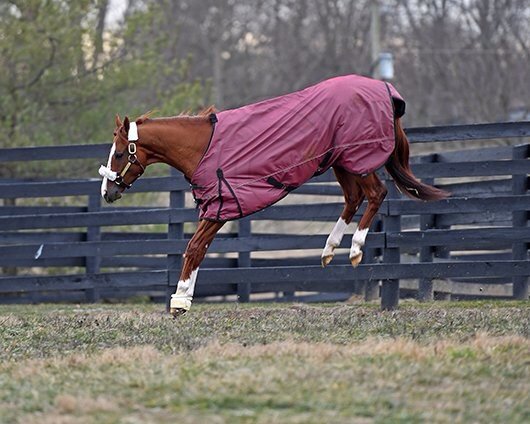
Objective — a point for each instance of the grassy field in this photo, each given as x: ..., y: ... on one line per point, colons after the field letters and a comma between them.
x: 443, y: 362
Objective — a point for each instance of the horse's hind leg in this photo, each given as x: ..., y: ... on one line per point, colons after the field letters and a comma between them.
x: 375, y: 192
x: 353, y: 197
x: 195, y: 252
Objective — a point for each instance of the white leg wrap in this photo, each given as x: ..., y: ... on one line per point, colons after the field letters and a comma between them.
x: 358, y: 240
x: 184, y: 294
x: 333, y: 241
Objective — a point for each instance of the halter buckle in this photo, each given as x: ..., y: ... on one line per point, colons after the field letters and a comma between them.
x: 132, y: 148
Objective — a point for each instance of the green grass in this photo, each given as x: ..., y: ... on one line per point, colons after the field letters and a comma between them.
x: 441, y: 362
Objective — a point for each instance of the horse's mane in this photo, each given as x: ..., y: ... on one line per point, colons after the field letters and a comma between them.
x: 207, y: 111
x: 144, y: 117
x: 204, y: 112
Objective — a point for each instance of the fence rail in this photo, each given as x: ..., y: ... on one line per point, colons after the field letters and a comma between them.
x: 477, y: 238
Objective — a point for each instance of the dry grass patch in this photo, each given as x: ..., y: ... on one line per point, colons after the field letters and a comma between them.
x: 43, y: 331
x: 265, y: 363
x: 369, y: 381
x: 481, y: 345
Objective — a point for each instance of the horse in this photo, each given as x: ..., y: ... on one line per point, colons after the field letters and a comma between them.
x: 242, y: 160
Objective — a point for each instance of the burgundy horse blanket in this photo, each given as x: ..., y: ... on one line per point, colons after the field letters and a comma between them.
x: 260, y: 152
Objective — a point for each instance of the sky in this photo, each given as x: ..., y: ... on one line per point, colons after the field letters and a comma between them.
x: 116, y: 9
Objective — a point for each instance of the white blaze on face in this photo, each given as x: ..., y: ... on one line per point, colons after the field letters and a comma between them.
x: 104, y: 182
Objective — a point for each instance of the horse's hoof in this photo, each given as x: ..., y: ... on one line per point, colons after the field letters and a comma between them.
x: 176, y: 312
x: 356, y: 259
x: 179, y: 305
x: 325, y: 260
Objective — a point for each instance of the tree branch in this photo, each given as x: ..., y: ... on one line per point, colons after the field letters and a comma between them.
x: 40, y: 73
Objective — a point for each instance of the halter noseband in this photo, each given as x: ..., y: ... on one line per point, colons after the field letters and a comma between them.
x: 111, y: 175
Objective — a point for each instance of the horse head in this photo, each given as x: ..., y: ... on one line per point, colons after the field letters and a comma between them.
x: 126, y: 159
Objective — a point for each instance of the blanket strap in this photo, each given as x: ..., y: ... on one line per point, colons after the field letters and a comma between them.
x: 275, y: 183
x: 197, y: 201
x: 221, y: 178
x: 322, y: 166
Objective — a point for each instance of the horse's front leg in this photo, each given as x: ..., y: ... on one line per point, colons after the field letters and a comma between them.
x: 375, y: 192
x: 195, y: 252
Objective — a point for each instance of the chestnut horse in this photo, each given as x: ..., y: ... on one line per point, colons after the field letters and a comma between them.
x: 182, y: 142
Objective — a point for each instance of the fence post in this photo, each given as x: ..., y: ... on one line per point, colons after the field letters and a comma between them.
x: 425, y: 285
x: 392, y: 224
x: 519, y: 219
x: 370, y: 288
x: 174, y: 232
x: 93, y: 233
x: 243, y: 259
x: 10, y: 270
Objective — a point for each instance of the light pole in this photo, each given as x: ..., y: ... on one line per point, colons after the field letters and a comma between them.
x: 382, y: 62
x: 386, y: 66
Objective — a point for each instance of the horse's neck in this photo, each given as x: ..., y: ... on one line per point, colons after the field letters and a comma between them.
x: 178, y: 142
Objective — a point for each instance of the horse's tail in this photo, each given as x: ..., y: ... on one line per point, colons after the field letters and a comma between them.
x: 398, y: 167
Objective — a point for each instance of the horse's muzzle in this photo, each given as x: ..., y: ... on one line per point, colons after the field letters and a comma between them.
x: 111, y: 197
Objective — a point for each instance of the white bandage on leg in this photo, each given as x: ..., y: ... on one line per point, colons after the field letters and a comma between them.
x: 184, y: 294
x: 333, y: 241
x: 358, y: 240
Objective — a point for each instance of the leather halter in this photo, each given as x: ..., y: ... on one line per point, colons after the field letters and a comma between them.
x: 131, y: 160
x: 118, y: 178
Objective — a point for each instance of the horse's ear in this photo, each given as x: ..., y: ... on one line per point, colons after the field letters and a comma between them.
x: 117, y: 119
x: 126, y: 124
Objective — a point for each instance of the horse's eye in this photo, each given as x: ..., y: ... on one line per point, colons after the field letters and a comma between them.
x: 118, y: 155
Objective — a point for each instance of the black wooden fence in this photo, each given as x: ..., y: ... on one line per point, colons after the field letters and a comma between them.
x: 478, y: 238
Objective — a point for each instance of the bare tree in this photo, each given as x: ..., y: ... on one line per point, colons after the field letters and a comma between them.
x: 456, y: 60
x: 463, y: 61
